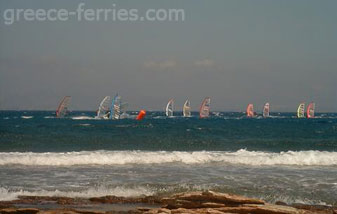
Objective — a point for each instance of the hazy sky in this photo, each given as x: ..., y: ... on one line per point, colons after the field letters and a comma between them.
x: 237, y: 52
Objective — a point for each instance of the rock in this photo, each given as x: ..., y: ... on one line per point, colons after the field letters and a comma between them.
x: 211, y: 196
x: 212, y: 205
x: 115, y: 199
x: 8, y: 210
x: 19, y: 211
x: 274, y: 209
x: 57, y: 212
x: 314, y: 208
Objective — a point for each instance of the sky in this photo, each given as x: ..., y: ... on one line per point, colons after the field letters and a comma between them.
x: 234, y: 51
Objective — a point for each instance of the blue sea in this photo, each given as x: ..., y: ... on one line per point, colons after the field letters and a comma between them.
x: 280, y: 158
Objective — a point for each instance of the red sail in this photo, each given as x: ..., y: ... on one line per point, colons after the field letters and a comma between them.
x: 250, y: 110
x: 63, y: 107
x: 311, y: 110
x: 205, y: 107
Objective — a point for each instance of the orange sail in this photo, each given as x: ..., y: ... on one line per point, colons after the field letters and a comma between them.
x: 250, y: 110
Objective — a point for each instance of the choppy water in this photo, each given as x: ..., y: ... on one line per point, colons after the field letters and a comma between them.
x: 279, y: 158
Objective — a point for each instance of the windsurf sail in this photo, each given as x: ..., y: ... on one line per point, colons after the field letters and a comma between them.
x: 115, y: 107
x: 300, y: 110
x: 250, y: 110
x: 266, y: 110
x: 103, y: 109
x: 311, y: 110
x: 118, y: 109
x: 187, y: 109
x: 205, y: 107
x: 170, y: 108
x: 62, y: 110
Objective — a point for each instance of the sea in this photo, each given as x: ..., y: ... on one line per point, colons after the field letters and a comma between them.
x: 281, y: 158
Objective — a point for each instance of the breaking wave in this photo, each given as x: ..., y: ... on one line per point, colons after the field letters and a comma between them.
x: 26, y: 117
x: 255, y: 158
x: 7, y: 195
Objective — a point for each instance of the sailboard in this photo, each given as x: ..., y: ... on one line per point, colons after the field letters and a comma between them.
x: 250, y: 110
x: 266, y: 110
x: 300, y: 110
x: 62, y: 110
x: 169, y: 108
x: 311, y: 110
x: 187, y: 109
x: 103, y: 109
x: 205, y: 107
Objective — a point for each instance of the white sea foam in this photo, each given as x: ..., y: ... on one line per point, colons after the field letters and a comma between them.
x: 83, y: 118
x: 7, y: 195
x: 301, y: 158
x: 26, y: 117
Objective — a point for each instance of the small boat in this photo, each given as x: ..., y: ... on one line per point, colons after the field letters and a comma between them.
x: 266, y: 110
x: 250, y: 110
x: 300, y: 110
x: 187, y: 109
x: 205, y: 108
x: 169, y: 108
x: 62, y: 110
x: 311, y: 110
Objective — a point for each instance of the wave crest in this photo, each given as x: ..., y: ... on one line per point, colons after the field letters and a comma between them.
x: 256, y: 158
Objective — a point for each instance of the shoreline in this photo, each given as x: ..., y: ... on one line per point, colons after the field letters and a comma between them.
x: 188, y: 202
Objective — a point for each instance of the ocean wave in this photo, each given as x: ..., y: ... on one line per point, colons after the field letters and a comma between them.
x: 26, y: 117
x: 255, y: 158
x: 83, y: 118
x: 8, y: 194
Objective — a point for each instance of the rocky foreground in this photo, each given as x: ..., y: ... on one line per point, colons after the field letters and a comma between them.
x: 189, y: 203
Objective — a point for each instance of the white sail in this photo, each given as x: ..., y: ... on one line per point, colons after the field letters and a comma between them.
x: 170, y: 108
x: 103, y: 109
x: 266, y: 110
x: 300, y: 110
x: 187, y: 109
x: 205, y: 107
x: 62, y: 110
x: 118, y: 109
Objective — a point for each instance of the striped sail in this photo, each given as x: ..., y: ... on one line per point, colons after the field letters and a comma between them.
x: 300, y: 110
